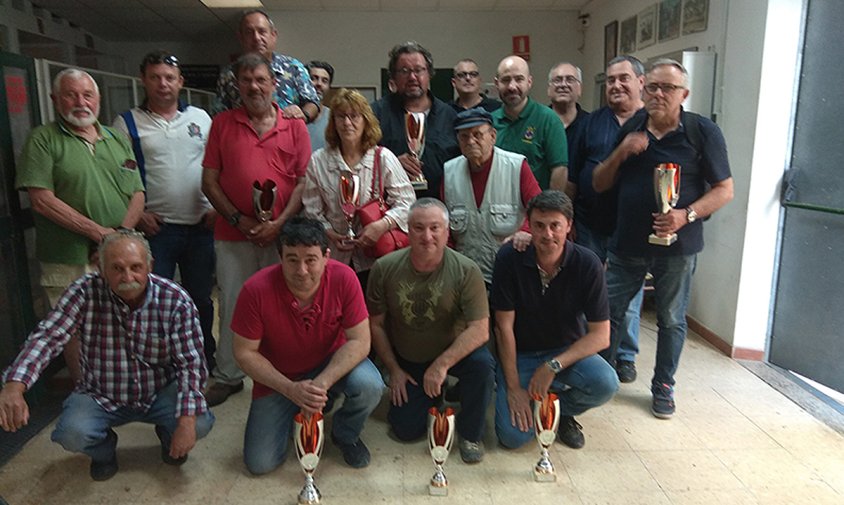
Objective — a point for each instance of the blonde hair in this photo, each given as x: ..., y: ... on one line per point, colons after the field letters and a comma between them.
x: 345, y: 101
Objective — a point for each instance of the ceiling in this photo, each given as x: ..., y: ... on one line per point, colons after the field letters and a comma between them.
x: 187, y: 20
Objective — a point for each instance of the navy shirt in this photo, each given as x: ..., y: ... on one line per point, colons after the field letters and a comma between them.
x: 636, y: 200
x: 557, y: 318
x: 487, y: 103
x: 574, y: 135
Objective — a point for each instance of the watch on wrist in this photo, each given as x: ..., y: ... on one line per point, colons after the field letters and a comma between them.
x: 691, y: 215
x: 234, y: 218
x: 554, y: 365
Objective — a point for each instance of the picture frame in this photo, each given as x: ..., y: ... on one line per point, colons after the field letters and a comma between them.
x: 646, y: 27
x: 610, y: 42
x: 670, y: 12
x: 627, y: 38
x: 695, y: 16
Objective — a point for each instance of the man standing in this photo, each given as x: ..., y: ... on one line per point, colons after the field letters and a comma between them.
x: 168, y: 138
x: 293, y: 91
x: 564, y: 90
x: 322, y: 75
x: 662, y: 137
x: 253, y: 144
x: 528, y: 128
x: 552, y: 317
x: 467, y: 82
x: 430, y: 319
x: 411, y: 67
x: 143, y: 360
x: 302, y: 334
x: 486, y: 191
x: 596, y: 213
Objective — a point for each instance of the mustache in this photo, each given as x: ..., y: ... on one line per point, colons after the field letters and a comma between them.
x: 128, y: 286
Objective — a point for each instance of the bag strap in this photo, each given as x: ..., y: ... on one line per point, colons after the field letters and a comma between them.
x: 129, y: 119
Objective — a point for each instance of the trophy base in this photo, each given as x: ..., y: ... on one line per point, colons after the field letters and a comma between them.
x: 436, y: 490
x: 309, y: 496
x: 419, y: 185
x: 663, y: 241
x: 539, y: 476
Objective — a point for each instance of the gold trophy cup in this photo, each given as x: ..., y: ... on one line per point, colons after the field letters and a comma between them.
x: 308, y: 436
x: 263, y: 199
x: 349, y: 198
x: 546, y: 418
x: 440, y: 438
x: 414, y: 127
x: 667, y: 192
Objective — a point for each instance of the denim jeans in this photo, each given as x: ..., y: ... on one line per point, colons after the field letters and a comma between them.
x: 84, y: 425
x: 672, y: 285
x: 587, y: 384
x: 191, y: 247
x: 475, y: 375
x: 270, y: 422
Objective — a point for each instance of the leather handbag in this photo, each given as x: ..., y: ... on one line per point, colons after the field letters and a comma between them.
x: 376, y: 209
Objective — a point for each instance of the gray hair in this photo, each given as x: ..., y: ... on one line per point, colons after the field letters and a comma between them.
x: 122, y: 234
x: 249, y: 12
x: 73, y: 74
x: 428, y: 202
x: 638, y: 68
x: 668, y: 62
x: 576, y: 69
x: 251, y: 61
x: 409, y: 47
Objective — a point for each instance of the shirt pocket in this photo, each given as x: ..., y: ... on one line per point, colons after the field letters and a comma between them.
x: 283, y: 158
x: 504, y: 218
x: 458, y: 219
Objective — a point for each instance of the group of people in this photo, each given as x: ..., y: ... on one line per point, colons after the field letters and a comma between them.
x: 524, y: 271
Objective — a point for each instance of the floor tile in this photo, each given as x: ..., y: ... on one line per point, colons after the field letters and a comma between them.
x: 688, y: 470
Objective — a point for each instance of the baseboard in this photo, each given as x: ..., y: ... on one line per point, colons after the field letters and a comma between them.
x: 720, y: 344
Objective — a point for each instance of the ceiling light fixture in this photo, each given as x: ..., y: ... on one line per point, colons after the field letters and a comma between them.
x: 233, y: 4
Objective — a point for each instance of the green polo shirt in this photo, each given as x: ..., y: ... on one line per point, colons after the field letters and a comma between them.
x: 538, y: 134
x: 97, y: 182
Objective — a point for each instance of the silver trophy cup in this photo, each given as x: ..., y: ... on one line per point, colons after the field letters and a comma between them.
x: 414, y: 127
x: 349, y: 193
x: 667, y: 192
x: 546, y: 418
x: 308, y: 436
x: 263, y: 199
x: 440, y: 439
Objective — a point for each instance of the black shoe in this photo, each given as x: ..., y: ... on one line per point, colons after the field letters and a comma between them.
x: 355, y: 455
x: 569, y: 432
x: 104, y: 470
x: 219, y: 392
x: 626, y: 371
x: 663, y: 401
x: 165, y: 448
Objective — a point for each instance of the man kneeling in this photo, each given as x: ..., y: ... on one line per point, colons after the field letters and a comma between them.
x: 302, y: 334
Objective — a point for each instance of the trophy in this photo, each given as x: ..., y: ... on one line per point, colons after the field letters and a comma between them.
x: 349, y: 196
x: 440, y: 438
x: 308, y: 436
x: 546, y: 418
x: 667, y: 191
x: 263, y: 199
x: 414, y: 127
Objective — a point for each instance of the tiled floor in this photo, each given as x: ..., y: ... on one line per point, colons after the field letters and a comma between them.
x: 734, y: 440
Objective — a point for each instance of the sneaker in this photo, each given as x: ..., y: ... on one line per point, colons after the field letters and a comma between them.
x: 626, y: 371
x: 570, y: 432
x: 356, y: 455
x: 219, y: 392
x: 663, y: 401
x: 165, y: 448
x: 104, y: 470
x: 471, y: 452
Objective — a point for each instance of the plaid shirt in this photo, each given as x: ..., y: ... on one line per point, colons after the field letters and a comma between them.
x: 127, y: 355
x: 292, y: 85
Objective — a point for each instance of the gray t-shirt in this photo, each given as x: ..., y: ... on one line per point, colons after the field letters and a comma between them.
x: 316, y: 129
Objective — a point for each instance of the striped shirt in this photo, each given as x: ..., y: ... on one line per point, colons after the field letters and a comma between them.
x: 127, y: 355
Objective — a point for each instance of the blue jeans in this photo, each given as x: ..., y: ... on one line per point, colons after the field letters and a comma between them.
x: 270, y: 422
x: 587, y: 384
x: 84, y: 425
x: 672, y: 285
x: 191, y: 247
x: 475, y: 376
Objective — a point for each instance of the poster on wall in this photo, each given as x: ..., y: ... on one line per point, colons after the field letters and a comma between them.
x: 610, y: 42
x: 627, y: 39
x: 646, y: 32
x: 695, y: 16
x: 669, y: 19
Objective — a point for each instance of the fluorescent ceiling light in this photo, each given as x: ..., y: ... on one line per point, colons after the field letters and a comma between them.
x: 238, y: 4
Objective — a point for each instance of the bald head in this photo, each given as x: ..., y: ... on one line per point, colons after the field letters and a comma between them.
x: 513, y: 62
x: 513, y: 81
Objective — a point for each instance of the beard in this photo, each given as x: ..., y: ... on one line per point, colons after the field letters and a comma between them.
x: 77, y: 121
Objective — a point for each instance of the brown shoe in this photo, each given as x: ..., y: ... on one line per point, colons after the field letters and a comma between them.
x: 219, y: 392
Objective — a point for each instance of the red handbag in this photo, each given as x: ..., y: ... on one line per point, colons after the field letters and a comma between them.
x: 376, y: 209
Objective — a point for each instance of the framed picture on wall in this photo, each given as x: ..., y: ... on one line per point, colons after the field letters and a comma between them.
x: 646, y: 31
x: 695, y: 16
x: 610, y: 42
x: 669, y: 19
x: 627, y: 39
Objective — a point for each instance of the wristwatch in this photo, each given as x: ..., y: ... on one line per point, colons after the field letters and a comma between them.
x: 554, y: 365
x: 234, y: 218
x: 691, y: 215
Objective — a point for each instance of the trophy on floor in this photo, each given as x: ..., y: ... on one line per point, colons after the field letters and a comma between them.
x: 414, y: 127
x: 667, y: 191
x: 546, y: 418
x: 440, y: 438
x: 349, y: 197
x: 263, y: 199
x: 308, y: 436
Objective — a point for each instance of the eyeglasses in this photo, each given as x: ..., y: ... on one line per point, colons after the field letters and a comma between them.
x: 568, y: 79
x: 467, y: 75
x: 155, y: 59
x: 665, y: 88
x: 354, y: 117
x: 418, y: 71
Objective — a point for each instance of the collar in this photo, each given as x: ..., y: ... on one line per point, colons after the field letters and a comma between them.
x: 529, y: 256
x: 242, y: 116
x: 523, y: 114
x: 181, y: 106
